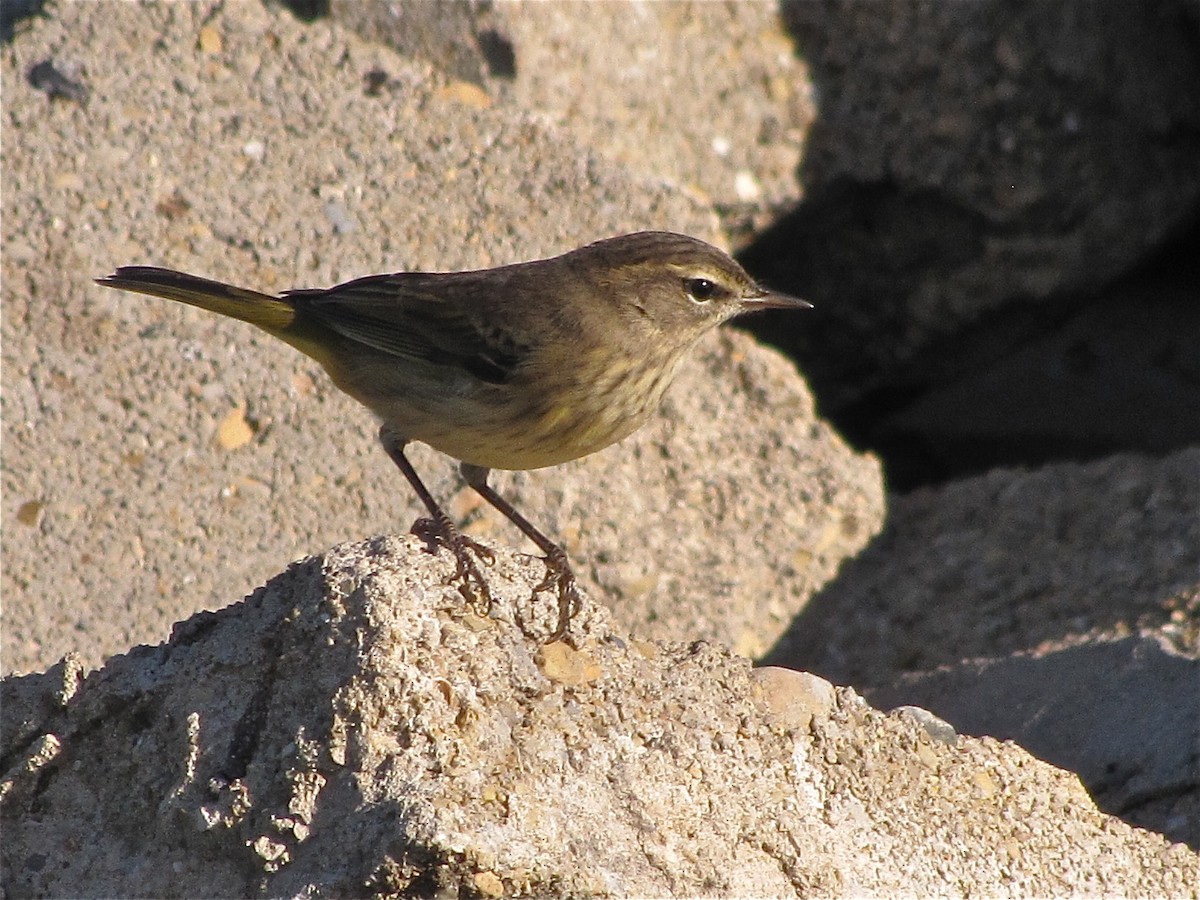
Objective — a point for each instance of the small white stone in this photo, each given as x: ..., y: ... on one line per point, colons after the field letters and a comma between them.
x: 746, y: 186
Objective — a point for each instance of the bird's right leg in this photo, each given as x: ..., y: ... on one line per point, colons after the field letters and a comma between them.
x: 472, y: 583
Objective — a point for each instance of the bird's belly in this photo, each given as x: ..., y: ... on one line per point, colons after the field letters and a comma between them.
x: 518, y: 426
x: 558, y: 434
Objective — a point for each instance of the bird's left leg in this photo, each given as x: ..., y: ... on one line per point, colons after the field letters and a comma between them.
x: 559, y: 575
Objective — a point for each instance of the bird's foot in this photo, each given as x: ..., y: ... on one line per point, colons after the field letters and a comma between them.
x: 560, y: 579
x: 467, y: 553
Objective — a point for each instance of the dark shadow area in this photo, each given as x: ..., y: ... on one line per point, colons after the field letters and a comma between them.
x: 998, y: 236
x: 1076, y: 378
x: 998, y: 230
x: 12, y: 12
x: 498, y: 53
x: 307, y: 10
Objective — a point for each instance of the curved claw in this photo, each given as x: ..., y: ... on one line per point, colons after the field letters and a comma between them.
x: 439, y: 529
x: 561, y: 578
x: 472, y: 584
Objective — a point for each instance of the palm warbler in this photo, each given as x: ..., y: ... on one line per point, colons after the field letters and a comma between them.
x: 517, y: 367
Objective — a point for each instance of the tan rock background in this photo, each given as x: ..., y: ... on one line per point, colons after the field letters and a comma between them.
x: 159, y: 463
x: 254, y: 151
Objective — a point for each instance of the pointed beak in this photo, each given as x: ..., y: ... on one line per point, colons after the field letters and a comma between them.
x: 761, y: 298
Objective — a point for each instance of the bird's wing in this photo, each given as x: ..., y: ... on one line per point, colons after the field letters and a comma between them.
x: 432, y: 318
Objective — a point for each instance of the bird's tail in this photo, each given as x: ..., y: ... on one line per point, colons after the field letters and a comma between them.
x: 271, y: 314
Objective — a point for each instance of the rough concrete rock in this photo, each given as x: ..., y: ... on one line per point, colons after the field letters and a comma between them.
x: 453, y: 37
x: 354, y: 727
x: 718, y: 85
x: 1010, y: 562
x: 1059, y: 608
x: 1122, y: 714
x: 144, y: 441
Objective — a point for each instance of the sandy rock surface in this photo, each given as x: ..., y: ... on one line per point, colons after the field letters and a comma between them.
x: 145, y: 441
x: 719, y: 86
x: 354, y: 727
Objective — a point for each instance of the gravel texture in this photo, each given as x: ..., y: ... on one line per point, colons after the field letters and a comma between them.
x: 353, y: 729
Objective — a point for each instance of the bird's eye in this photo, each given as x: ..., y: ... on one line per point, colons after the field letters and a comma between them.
x: 700, y: 289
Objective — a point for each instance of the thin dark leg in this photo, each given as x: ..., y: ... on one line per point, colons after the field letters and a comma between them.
x: 443, y: 528
x: 559, y: 574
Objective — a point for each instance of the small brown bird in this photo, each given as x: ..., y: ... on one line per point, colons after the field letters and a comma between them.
x: 516, y: 367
